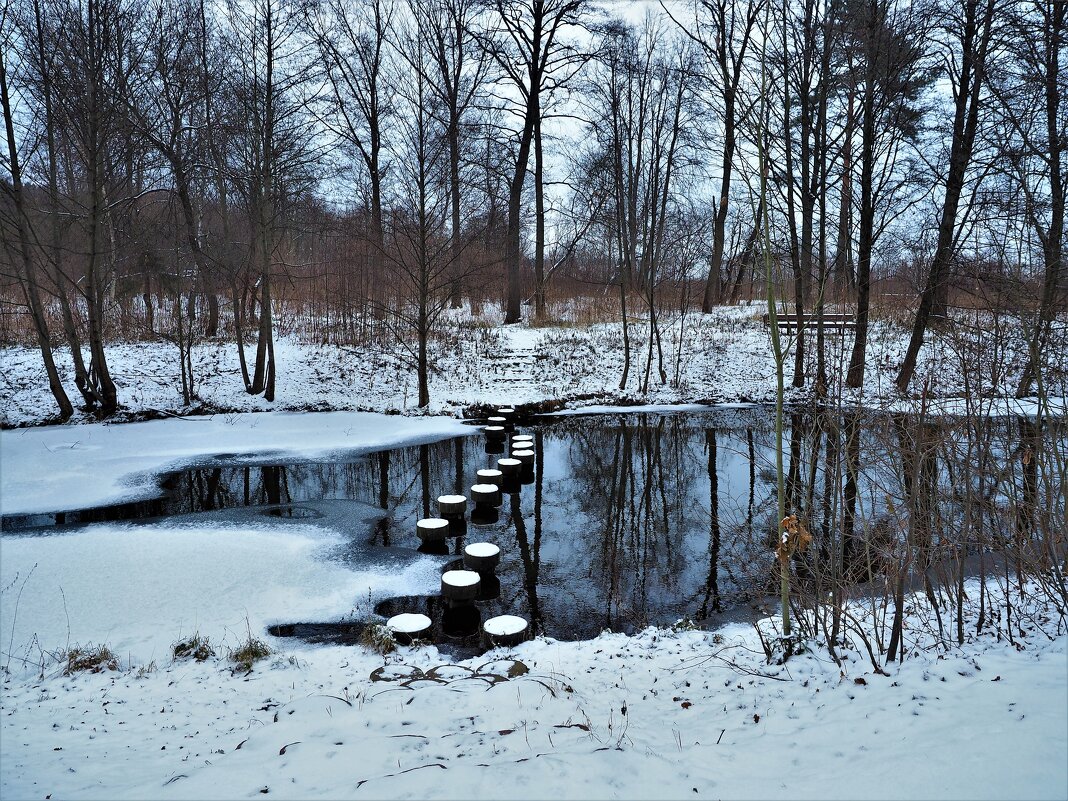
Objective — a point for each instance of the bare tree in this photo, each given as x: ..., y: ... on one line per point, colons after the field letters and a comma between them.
x: 169, y: 108
x: 641, y: 103
x: 95, y: 59
x: 968, y: 46
x: 41, y: 31
x: 21, y: 239
x: 457, y: 78
x: 724, y: 31
x: 425, y: 259
x: 276, y: 159
x: 1031, y: 90
x: 888, y: 48
x: 352, y: 37
x: 530, y: 47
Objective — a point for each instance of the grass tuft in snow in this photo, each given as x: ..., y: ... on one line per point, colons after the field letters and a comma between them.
x: 249, y: 652
x: 378, y: 638
x: 195, y: 647
x: 91, y: 659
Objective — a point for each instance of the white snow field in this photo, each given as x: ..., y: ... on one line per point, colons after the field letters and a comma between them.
x: 662, y: 714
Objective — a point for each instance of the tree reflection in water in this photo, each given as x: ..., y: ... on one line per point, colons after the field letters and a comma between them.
x: 642, y: 518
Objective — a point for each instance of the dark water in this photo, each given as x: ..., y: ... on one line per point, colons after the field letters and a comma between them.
x: 624, y: 520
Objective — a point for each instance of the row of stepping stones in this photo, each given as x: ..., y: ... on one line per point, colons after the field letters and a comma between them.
x: 461, y: 587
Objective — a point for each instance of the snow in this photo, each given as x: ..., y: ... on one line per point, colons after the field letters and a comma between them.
x: 662, y: 714
x: 720, y: 357
x: 447, y: 499
x: 460, y: 578
x: 504, y: 625
x: 408, y: 623
x: 139, y: 589
x: 482, y: 549
x: 97, y: 464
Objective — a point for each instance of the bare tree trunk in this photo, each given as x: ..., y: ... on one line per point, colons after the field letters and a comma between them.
x: 539, y: 223
x: 513, y: 252
x: 27, y: 274
x: 855, y: 375
x: 1054, y: 33
x: 978, y: 21
x: 95, y: 278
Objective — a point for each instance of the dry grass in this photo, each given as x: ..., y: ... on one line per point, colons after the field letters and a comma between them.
x: 90, y: 659
x: 196, y: 647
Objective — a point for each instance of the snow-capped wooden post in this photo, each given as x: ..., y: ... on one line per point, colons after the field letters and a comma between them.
x: 452, y: 507
x: 490, y: 476
x: 432, y: 528
x: 482, y: 557
x: 509, y: 466
x: 486, y: 494
x: 525, y: 456
x: 510, y: 469
x: 459, y: 586
x: 409, y: 626
x: 504, y: 630
x: 508, y: 413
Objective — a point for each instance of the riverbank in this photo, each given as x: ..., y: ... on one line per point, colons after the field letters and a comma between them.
x: 721, y: 357
x: 662, y: 714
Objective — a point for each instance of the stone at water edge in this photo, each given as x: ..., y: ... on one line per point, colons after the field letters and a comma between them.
x: 409, y: 626
x: 504, y: 630
x: 460, y: 585
x: 482, y: 557
x: 432, y: 528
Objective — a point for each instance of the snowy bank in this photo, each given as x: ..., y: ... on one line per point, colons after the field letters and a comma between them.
x: 720, y: 357
x: 57, y: 468
x: 663, y: 714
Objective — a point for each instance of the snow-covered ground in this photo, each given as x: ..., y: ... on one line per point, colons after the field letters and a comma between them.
x: 663, y: 714
x: 720, y: 357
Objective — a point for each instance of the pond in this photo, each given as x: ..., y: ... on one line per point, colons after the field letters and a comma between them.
x: 629, y: 519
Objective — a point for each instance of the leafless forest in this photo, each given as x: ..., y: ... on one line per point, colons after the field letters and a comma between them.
x: 350, y: 169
